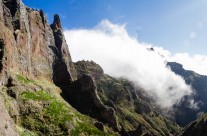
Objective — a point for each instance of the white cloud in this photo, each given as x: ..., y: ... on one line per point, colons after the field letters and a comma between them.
x: 197, y: 63
x: 123, y: 56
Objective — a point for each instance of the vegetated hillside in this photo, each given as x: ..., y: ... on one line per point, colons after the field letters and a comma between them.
x: 134, y: 113
x: 185, y: 112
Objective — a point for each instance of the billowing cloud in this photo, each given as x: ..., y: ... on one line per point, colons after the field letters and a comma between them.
x: 123, y: 56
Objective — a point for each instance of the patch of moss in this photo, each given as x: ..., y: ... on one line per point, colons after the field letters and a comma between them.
x: 85, y: 129
x: 56, y: 118
x: 53, y: 119
x: 23, y: 79
x: 39, y: 95
x: 58, y: 114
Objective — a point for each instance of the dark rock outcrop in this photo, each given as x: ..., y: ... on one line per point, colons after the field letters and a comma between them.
x: 82, y: 95
x: 142, y: 107
x: 64, y: 70
x: 89, y: 67
x: 196, y: 128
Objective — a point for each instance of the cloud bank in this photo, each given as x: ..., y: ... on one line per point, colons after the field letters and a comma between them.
x: 123, y: 56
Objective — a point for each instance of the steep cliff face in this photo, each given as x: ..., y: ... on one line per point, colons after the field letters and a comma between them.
x: 34, y: 63
x: 30, y: 46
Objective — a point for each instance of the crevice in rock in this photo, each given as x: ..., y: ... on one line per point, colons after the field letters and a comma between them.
x: 12, y: 93
x: 42, y: 16
x: 13, y: 7
x: 1, y: 54
x: 9, y: 82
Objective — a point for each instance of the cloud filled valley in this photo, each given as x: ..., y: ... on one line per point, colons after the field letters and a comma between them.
x: 123, y: 56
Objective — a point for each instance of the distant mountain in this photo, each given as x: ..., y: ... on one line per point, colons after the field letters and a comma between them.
x: 188, y: 110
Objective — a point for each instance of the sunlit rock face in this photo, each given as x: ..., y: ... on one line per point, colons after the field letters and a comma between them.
x: 30, y: 46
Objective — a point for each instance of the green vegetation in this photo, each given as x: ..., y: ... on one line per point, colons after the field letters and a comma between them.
x: 39, y: 95
x: 58, y: 114
x: 24, y: 132
x: 56, y: 117
x: 85, y: 129
x: 23, y: 79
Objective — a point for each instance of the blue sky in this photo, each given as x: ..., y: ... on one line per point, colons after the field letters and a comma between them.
x: 178, y: 26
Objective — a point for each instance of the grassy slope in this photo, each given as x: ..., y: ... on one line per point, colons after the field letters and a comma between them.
x: 38, y: 109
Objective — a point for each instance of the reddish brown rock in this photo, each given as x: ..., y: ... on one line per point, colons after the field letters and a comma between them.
x: 31, y: 47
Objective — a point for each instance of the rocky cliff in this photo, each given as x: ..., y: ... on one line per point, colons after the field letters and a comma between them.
x: 30, y: 47
x: 34, y: 63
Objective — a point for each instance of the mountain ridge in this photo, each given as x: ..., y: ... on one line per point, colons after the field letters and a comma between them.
x: 184, y: 113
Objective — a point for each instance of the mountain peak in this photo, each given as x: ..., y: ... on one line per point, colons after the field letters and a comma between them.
x: 56, y: 22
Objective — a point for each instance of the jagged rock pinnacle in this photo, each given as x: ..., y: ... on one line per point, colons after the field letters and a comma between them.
x: 57, y: 22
